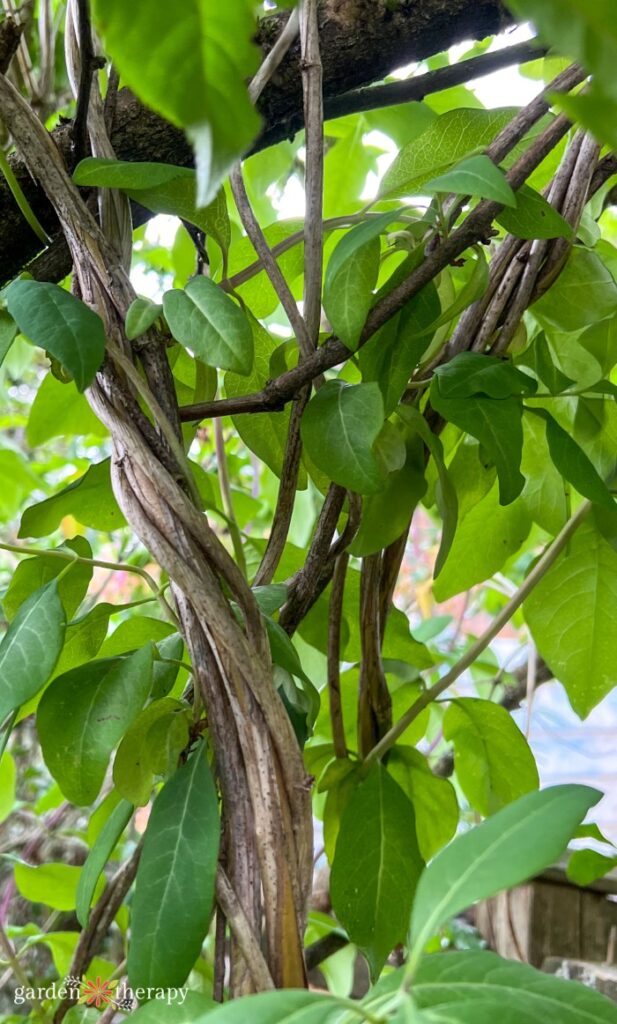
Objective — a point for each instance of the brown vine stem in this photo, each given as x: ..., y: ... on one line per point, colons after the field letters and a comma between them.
x: 261, y: 247
x: 334, y: 656
x: 547, y: 559
x: 312, y: 75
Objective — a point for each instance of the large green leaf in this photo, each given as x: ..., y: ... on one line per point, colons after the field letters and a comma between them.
x: 162, y: 188
x: 83, y: 715
x: 90, y: 500
x: 174, y: 888
x: 385, y: 515
x: 584, y: 293
x: 339, y: 428
x: 485, y: 538
x: 191, y: 65
x: 50, y: 883
x: 58, y: 322
x: 496, y: 423
x: 490, y: 989
x: 376, y: 867
x: 194, y: 1008
x: 349, y: 294
x: 98, y: 857
x: 205, y: 319
x: 287, y: 1006
x: 505, y: 850
x: 474, y: 176
x: 470, y: 373
x: 573, y: 464
x: 447, y: 140
x: 434, y: 799
x: 494, y: 764
x: 533, y: 217
x: 572, y: 613
x: 133, y: 772
x: 587, y: 32
x: 30, y: 647
x: 60, y: 410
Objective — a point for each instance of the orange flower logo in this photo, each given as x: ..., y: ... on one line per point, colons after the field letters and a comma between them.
x: 98, y: 993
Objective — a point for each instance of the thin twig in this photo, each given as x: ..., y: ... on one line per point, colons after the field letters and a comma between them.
x: 90, y: 63
x: 261, y: 247
x: 334, y: 656
x: 243, y: 933
x: 551, y: 553
x: 312, y: 75
x: 286, y: 495
x: 274, y: 57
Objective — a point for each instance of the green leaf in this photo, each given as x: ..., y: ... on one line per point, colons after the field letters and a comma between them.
x: 533, y: 217
x: 587, y: 32
x: 8, y: 330
x: 386, y: 515
x: 447, y: 140
x: 83, y: 639
x: 30, y: 647
x: 470, y: 373
x: 133, y: 773
x: 391, y: 356
x: 263, y: 433
x: 481, y: 988
x: 571, y: 614
x: 475, y: 176
x: 164, y: 673
x: 486, y: 537
x: 199, y: 58
x: 90, y: 500
x: 573, y: 464
x: 493, y: 762
x: 140, y: 316
x: 586, y: 866
x: 7, y: 785
x: 193, y: 1009
x: 543, y: 494
x: 339, y: 427
x: 32, y: 573
x: 162, y: 188
x: 287, y: 1006
x: 496, y: 423
x: 434, y: 799
x: 205, y: 319
x: 98, y: 857
x: 376, y: 867
x: 584, y: 293
x: 134, y: 633
x: 59, y: 410
x: 52, y: 884
x: 508, y: 848
x: 348, y: 296
x: 550, y: 375
x: 174, y: 888
x: 83, y: 715
x: 61, y: 324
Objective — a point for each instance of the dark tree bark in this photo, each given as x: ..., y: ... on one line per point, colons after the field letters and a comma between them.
x: 362, y: 41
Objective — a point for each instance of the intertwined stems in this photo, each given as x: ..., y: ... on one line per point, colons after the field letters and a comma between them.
x: 268, y: 844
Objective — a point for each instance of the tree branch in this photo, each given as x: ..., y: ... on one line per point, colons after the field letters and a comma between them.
x: 359, y: 45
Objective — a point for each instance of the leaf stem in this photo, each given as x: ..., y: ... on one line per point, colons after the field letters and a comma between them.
x: 547, y: 559
x: 20, y: 199
x: 26, y: 549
